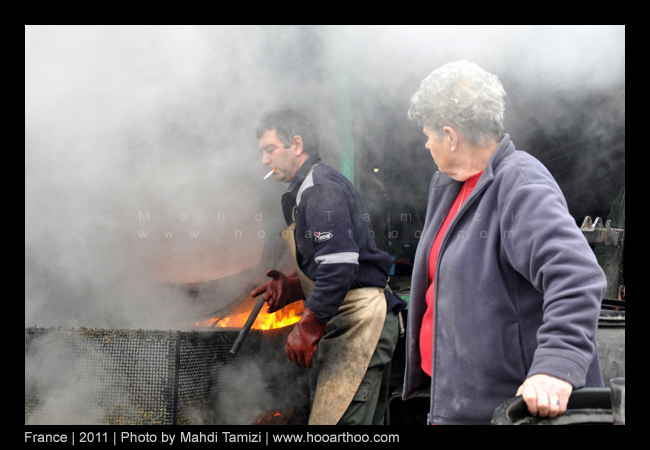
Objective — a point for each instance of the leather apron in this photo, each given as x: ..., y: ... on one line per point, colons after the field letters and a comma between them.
x: 347, y: 346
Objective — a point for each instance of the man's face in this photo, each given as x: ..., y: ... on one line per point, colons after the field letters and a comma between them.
x: 283, y: 159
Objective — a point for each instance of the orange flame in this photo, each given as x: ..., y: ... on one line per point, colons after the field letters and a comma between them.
x: 288, y: 315
x: 277, y: 417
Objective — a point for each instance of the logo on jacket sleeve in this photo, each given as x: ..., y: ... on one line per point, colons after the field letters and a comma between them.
x: 322, y: 236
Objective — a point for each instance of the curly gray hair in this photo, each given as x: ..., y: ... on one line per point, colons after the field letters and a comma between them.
x: 463, y: 96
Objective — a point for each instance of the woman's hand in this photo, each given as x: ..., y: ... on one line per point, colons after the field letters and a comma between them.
x: 545, y: 395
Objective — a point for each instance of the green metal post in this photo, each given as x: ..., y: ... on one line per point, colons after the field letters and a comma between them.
x: 346, y: 120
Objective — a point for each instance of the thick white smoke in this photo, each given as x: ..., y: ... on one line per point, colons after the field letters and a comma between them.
x: 134, y: 131
x: 121, y: 120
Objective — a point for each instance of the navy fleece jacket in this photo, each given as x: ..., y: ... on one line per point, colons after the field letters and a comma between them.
x: 517, y: 291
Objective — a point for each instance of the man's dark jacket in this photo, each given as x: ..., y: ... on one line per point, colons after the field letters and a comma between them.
x: 334, y: 239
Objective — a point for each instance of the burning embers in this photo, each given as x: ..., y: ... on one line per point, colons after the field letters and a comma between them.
x: 288, y: 315
x: 275, y: 417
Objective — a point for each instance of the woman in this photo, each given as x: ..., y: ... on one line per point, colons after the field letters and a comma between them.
x: 506, y: 292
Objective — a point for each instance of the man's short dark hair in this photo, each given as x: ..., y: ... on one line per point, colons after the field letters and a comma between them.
x: 290, y: 122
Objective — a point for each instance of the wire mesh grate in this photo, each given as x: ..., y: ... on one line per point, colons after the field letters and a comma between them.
x: 142, y: 377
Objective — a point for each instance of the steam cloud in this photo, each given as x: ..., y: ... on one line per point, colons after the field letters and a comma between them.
x: 121, y: 120
x: 151, y: 128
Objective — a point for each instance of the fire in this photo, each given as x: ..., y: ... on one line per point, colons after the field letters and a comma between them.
x: 277, y: 417
x: 288, y: 315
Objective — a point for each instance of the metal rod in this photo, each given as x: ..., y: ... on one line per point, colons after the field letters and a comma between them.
x: 247, y: 326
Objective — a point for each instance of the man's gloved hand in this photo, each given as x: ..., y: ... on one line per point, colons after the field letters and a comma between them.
x: 303, y: 339
x: 280, y: 291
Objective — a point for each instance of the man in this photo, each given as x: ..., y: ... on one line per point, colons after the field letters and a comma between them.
x: 350, y: 317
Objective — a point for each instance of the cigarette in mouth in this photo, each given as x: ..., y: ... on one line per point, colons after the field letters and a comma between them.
x: 268, y: 174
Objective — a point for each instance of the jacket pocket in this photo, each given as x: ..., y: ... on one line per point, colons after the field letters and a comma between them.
x: 362, y: 393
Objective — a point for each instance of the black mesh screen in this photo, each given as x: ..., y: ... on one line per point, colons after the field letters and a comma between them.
x: 105, y: 376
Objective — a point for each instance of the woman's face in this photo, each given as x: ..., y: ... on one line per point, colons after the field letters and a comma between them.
x: 439, y: 149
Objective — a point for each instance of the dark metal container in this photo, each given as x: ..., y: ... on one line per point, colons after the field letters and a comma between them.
x: 147, y: 377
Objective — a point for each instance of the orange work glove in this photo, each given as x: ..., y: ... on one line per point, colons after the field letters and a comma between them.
x: 280, y: 291
x: 303, y: 340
